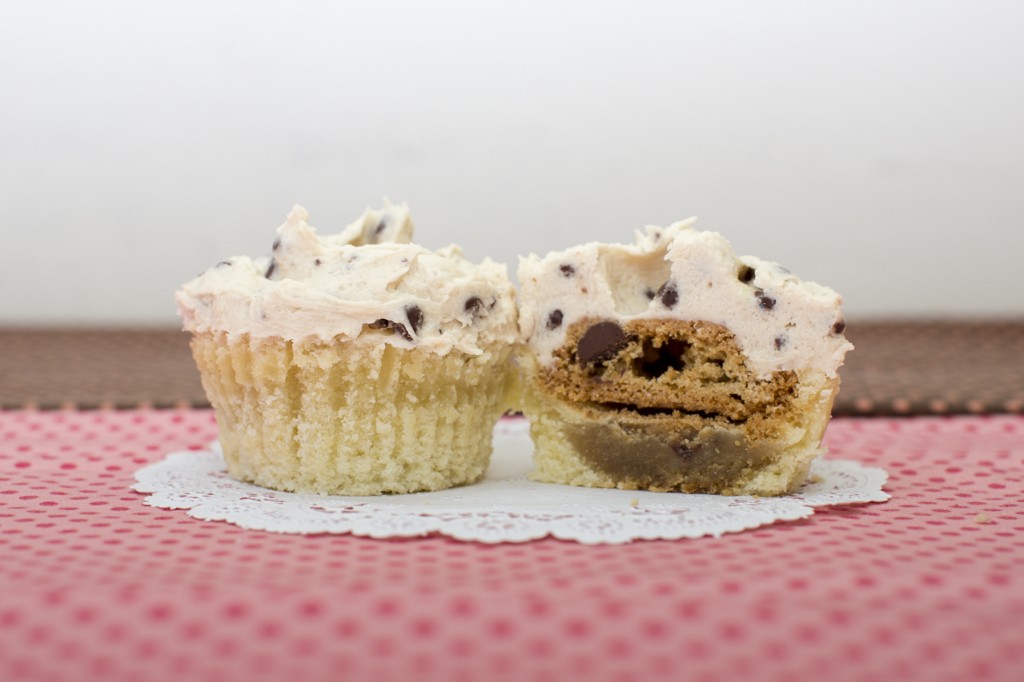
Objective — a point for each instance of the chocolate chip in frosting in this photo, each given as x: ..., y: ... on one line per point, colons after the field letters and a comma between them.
x: 318, y: 262
x: 764, y: 300
x: 668, y: 294
x: 270, y: 269
x: 415, y: 316
x: 223, y: 262
x: 601, y: 342
x: 567, y: 270
x: 380, y: 226
x: 839, y: 327
x: 397, y: 327
x: 473, y: 305
x: 780, y: 342
x: 555, y: 319
x: 649, y: 293
x: 746, y: 274
x: 277, y: 244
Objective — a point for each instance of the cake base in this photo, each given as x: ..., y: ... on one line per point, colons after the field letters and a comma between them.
x: 355, y: 417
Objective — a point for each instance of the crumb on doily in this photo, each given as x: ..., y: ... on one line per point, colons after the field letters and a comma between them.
x: 982, y: 518
x: 814, y: 479
x: 634, y: 503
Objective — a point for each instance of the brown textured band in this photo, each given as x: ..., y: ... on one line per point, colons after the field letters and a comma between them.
x: 87, y: 368
x: 936, y: 367
x: 899, y: 368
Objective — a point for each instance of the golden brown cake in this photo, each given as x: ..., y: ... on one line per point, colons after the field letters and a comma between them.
x: 672, y: 364
x: 355, y: 364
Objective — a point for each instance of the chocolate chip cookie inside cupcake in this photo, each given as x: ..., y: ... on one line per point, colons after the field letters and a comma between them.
x: 354, y: 364
x: 673, y: 365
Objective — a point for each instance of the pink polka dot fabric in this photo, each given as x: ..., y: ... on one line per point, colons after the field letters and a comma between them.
x: 96, y: 586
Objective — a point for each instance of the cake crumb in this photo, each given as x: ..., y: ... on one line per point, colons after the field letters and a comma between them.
x: 634, y: 503
x: 814, y: 479
x: 982, y: 518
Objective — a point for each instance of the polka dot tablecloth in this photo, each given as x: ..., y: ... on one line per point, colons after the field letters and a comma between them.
x: 96, y: 586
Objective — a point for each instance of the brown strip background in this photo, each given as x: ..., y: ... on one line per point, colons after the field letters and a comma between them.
x: 898, y: 368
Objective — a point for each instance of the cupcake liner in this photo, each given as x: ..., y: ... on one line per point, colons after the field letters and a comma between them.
x: 359, y: 417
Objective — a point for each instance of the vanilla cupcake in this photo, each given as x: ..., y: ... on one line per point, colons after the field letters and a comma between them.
x: 673, y: 364
x: 354, y: 364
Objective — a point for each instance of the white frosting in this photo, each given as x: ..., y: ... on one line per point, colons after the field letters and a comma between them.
x: 780, y: 322
x: 330, y: 287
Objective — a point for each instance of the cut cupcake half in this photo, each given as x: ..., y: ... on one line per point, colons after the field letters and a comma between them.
x: 673, y: 364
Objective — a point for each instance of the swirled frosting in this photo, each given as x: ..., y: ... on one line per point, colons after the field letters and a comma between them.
x: 779, y: 321
x: 368, y: 278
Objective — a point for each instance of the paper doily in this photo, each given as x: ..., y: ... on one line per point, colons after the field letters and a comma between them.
x: 505, y: 507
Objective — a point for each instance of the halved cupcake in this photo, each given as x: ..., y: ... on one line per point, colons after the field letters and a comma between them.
x: 673, y: 364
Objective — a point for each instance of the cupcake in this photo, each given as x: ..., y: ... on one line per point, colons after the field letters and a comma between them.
x: 673, y: 364
x: 355, y: 364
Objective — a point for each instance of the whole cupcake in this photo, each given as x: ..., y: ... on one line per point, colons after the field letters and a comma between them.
x: 354, y: 364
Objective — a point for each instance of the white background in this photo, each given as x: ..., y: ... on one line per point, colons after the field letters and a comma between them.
x: 877, y: 147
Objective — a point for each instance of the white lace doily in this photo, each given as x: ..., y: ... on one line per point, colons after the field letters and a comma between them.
x: 505, y: 507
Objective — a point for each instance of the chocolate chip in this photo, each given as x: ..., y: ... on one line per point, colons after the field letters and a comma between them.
x: 397, y: 327
x: 380, y: 226
x: 839, y: 327
x: 567, y: 270
x: 649, y: 293
x: 601, y: 342
x: 764, y: 300
x: 555, y: 319
x: 473, y: 305
x: 415, y: 316
x: 401, y: 331
x: 223, y: 262
x: 746, y: 274
x: 668, y: 295
x: 318, y: 262
x: 270, y: 269
x: 277, y: 244
x: 780, y: 342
